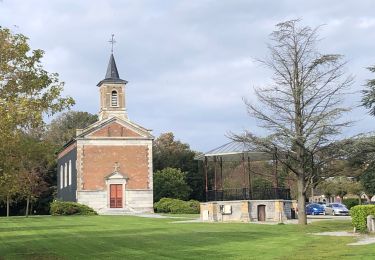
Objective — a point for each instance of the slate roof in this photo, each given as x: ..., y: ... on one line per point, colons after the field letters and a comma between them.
x: 234, y: 151
x: 112, y: 75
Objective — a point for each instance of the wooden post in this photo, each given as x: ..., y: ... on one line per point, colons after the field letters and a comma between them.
x: 276, y: 173
x: 8, y: 202
x: 221, y: 173
x: 244, y: 176
x: 250, y: 179
x: 205, y: 173
x: 215, y: 172
x: 215, y: 176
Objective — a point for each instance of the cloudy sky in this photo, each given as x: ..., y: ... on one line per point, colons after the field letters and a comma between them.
x: 189, y: 63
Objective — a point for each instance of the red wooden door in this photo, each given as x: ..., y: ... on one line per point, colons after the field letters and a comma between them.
x: 115, y: 200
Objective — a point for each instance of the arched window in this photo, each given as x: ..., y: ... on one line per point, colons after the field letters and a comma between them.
x: 66, y: 175
x: 70, y: 173
x: 114, y: 99
x: 61, y: 177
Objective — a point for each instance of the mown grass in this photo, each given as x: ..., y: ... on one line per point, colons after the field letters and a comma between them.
x: 126, y: 237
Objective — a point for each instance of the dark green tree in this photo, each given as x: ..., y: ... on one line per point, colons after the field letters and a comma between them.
x: 368, y: 98
x: 168, y: 152
x: 171, y: 183
x: 63, y: 128
x: 368, y: 180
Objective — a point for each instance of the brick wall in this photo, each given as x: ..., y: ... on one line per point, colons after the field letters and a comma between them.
x: 98, y: 162
x: 115, y: 130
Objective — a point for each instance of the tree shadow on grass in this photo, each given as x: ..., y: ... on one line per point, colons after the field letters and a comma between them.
x: 39, y: 228
x: 141, y: 243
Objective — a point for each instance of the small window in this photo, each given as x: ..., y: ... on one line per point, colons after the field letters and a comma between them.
x: 114, y: 99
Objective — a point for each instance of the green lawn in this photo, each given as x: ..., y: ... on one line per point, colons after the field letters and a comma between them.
x: 125, y: 237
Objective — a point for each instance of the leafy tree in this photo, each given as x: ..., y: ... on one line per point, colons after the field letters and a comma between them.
x: 8, y: 190
x: 170, y: 183
x: 168, y: 152
x: 37, y: 157
x: 368, y: 180
x: 63, y: 128
x: 368, y: 99
x: 27, y: 93
x: 360, y: 152
x: 340, y: 186
x: 301, y: 108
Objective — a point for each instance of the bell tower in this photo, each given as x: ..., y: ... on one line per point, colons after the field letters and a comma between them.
x: 112, y: 92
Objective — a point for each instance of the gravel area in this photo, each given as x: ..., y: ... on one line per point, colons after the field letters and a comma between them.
x: 362, y: 239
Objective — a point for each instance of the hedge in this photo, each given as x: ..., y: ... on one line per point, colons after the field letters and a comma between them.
x: 349, y: 203
x: 359, y: 214
x: 176, y: 206
x: 58, y: 208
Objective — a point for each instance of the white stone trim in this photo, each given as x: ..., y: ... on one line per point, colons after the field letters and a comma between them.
x: 116, y: 179
x: 145, y: 133
x: 79, y: 166
x: 150, y: 167
x: 113, y: 142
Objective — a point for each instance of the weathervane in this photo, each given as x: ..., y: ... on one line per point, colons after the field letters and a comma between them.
x: 112, y: 42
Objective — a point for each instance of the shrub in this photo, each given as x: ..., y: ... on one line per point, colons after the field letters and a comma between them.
x: 349, y: 203
x: 58, y: 208
x: 359, y: 214
x: 176, y: 206
x: 171, y: 183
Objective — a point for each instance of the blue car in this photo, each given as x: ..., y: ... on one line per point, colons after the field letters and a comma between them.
x: 315, y: 209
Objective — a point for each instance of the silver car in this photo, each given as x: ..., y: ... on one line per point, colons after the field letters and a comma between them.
x: 336, y: 209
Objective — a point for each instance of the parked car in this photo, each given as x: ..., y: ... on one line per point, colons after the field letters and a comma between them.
x: 323, y: 204
x: 337, y: 209
x: 314, y: 209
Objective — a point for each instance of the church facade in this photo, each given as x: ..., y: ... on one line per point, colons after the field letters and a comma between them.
x: 108, y: 165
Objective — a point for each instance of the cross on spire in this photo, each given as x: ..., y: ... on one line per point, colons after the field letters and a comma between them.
x: 112, y: 42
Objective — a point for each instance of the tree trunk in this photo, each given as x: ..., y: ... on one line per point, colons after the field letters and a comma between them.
x: 302, y: 219
x: 8, y: 202
x: 27, y: 206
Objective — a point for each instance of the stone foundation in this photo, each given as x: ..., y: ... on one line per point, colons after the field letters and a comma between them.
x: 136, y: 201
x: 246, y: 210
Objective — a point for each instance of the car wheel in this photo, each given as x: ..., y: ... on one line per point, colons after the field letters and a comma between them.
x: 324, y: 213
x: 333, y: 213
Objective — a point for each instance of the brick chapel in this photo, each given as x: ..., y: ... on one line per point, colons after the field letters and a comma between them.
x: 108, y: 165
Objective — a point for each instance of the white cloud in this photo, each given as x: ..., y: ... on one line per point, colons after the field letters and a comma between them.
x: 189, y: 63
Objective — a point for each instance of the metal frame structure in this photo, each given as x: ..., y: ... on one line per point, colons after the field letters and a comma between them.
x: 239, y: 152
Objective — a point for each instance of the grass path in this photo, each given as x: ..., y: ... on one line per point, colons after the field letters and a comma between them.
x: 126, y: 237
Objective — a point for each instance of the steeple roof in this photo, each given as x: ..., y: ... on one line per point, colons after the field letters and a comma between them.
x: 112, y: 75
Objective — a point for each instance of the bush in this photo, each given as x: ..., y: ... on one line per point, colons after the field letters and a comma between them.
x: 359, y: 214
x: 58, y: 208
x: 176, y: 206
x: 170, y: 183
x: 349, y: 203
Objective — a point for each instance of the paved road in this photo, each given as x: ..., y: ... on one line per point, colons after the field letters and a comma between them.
x: 328, y: 217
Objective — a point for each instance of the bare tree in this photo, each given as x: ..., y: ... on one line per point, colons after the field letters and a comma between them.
x: 302, y: 108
